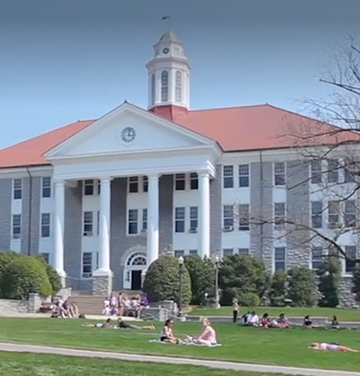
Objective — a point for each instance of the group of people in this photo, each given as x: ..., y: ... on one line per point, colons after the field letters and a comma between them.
x: 123, y: 305
x: 65, y: 309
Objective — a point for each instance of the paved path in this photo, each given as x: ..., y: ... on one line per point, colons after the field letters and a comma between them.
x: 162, y: 359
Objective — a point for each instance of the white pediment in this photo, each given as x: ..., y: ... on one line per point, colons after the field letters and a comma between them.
x: 128, y: 129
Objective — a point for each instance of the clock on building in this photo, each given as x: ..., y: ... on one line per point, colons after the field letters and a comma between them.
x: 128, y: 134
x: 165, y: 51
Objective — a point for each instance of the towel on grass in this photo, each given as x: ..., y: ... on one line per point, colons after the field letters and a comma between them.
x: 184, y: 343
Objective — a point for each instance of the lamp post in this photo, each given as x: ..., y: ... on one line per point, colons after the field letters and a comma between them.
x: 181, y: 266
x: 217, y: 305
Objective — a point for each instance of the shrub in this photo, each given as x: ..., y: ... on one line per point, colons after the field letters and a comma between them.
x: 202, y: 275
x: 277, y: 288
x: 249, y: 299
x: 6, y: 257
x: 25, y: 275
x: 162, y: 280
x: 356, y: 282
x: 301, y: 288
x: 52, y: 274
x: 329, y: 280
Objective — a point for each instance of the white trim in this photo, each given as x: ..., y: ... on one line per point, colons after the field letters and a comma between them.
x: 22, y: 172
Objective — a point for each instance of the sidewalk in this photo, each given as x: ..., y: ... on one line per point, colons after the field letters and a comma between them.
x: 47, y: 315
x: 182, y: 361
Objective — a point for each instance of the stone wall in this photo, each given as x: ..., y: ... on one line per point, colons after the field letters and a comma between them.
x: 347, y: 298
x: 8, y: 307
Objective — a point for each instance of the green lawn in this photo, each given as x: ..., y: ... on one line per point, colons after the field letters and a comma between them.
x: 254, y: 345
x: 343, y: 314
x: 13, y: 364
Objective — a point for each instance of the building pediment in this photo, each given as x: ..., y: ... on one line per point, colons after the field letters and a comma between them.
x: 127, y: 130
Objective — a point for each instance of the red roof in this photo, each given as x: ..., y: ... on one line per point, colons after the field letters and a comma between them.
x: 246, y: 128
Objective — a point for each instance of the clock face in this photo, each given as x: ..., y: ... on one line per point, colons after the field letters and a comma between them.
x: 165, y: 51
x: 128, y: 134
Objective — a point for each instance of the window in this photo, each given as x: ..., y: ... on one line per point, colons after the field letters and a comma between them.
x: 88, y: 223
x: 98, y: 187
x: 133, y: 184
x: 178, y: 85
x: 194, y: 181
x: 316, y: 170
x: 17, y: 189
x: 46, y: 257
x: 179, y: 253
x: 350, y: 213
x: 46, y: 187
x: 333, y: 214
x: 333, y: 171
x: 244, y: 251
x: 348, y: 171
x: 153, y: 89
x: 350, y: 252
x: 316, y: 214
x: 193, y: 217
x: 164, y: 86
x: 180, y: 182
x: 279, y: 173
x: 45, y: 225
x: 228, y: 216
x: 133, y: 222
x: 317, y: 258
x: 145, y: 183
x: 228, y: 252
x: 244, y: 217
x: 98, y: 222
x: 179, y: 219
x: 279, y: 215
x: 87, y: 264
x: 88, y: 187
x: 228, y: 172
x: 280, y: 258
x: 244, y: 175
x: 144, y: 220
x: 16, y: 226
x: 193, y: 252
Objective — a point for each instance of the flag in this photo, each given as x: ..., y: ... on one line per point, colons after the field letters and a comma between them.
x: 165, y: 18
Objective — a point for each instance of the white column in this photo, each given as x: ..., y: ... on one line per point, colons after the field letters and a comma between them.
x: 59, y: 217
x: 104, y: 233
x: 153, y: 220
x: 204, y: 215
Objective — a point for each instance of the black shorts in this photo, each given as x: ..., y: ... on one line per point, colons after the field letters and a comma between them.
x: 163, y: 339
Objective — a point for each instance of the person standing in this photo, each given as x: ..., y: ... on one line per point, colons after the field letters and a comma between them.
x: 235, y: 307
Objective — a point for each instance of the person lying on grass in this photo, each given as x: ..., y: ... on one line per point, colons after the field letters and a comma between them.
x: 206, y: 338
x: 105, y: 325
x: 124, y: 325
x: 331, y: 347
x: 167, y: 334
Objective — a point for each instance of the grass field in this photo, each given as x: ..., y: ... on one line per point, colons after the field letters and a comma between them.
x: 253, y: 345
x: 343, y: 314
x: 13, y: 364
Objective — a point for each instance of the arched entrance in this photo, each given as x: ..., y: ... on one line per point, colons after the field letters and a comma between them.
x: 134, y: 266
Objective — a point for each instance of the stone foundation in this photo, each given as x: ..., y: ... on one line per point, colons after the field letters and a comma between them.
x: 347, y: 298
x: 102, y: 285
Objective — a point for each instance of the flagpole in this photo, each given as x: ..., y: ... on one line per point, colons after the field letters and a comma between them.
x: 168, y: 19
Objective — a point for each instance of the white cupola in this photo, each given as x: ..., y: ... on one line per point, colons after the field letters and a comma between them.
x: 169, y: 73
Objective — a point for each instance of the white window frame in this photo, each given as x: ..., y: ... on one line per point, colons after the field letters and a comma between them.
x: 17, y: 188
x: 144, y: 220
x: 193, y: 252
x: 194, y: 181
x: 145, y: 184
x: 282, y: 260
x: 133, y: 184
x: 180, y: 219
x: 45, y: 256
x: 228, y: 177
x: 316, y: 171
x: 89, y: 263
x: 279, y: 174
x: 350, y: 213
x: 193, y: 218
x: 46, y: 187
x: 89, y: 183
x: 178, y: 86
x: 279, y: 216
x: 181, y: 179
x: 227, y: 219
x: 88, y: 223
x: 320, y: 215
x: 317, y: 254
x: 45, y: 225
x: 132, y: 221
x: 244, y: 251
x: 244, y: 221
x: 347, y: 250
x: 16, y: 235
x: 333, y: 211
x: 227, y: 252
x: 244, y: 176
x: 333, y: 171
x: 179, y: 253
x: 164, y: 90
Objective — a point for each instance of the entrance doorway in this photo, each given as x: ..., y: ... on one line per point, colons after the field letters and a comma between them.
x: 136, y: 280
x: 134, y: 267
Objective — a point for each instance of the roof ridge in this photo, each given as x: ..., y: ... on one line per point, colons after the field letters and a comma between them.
x: 230, y: 108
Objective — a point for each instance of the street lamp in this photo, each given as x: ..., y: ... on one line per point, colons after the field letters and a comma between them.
x: 181, y: 267
x: 217, y: 305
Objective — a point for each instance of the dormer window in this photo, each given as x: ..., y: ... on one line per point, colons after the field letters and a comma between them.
x: 164, y: 86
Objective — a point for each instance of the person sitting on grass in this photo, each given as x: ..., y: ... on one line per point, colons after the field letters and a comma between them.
x: 265, y: 321
x: 105, y: 325
x: 167, y: 334
x: 124, y: 325
x: 282, y: 322
x: 331, y: 347
x: 308, y: 322
x: 253, y: 319
x: 206, y: 338
x: 244, y: 318
x: 335, y: 323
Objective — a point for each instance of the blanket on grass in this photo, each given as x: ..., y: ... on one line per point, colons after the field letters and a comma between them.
x: 184, y: 343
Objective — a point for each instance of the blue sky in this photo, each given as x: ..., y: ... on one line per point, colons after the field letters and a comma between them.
x: 77, y: 59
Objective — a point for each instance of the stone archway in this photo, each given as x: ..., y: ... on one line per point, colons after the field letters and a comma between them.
x: 134, y: 265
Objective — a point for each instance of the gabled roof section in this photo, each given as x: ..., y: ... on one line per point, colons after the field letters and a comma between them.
x: 169, y: 36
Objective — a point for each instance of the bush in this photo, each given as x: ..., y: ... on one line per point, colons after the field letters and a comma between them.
x: 202, y: 275
x: 52, y: 274
x: 301, y: 288
x: 249, y: 300
x: 25, y: 275
x: 6, y: 257
x: 243, y: 274
x: 277, y: 288
x: 356, y: 282
x: 162, y: 281
x: 329, y: 280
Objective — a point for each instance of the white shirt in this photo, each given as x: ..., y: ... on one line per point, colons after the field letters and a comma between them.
x: 253, y: 319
